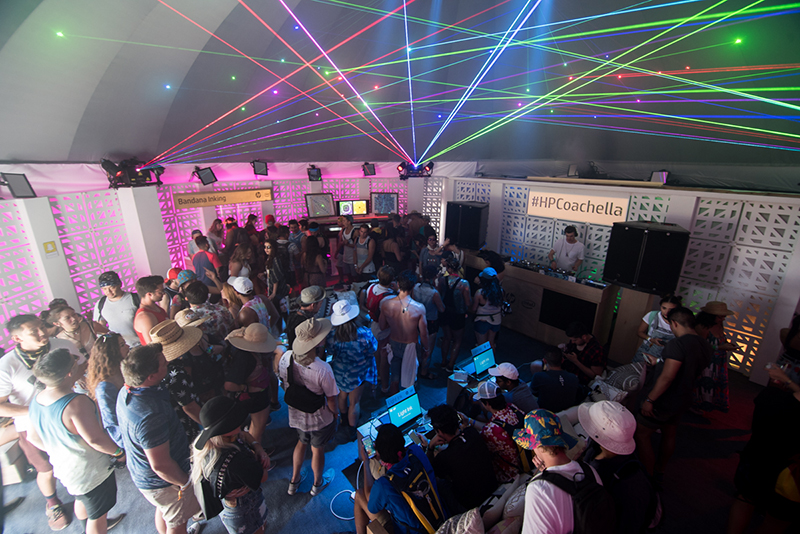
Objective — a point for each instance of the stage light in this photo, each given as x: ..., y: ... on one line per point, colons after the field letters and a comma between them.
x: 206, y: 175
x: 428, y: 168
x: 233, y: 77
x: 401, y: 167
x: 110, y: 167
x: 314, y: 174
x: 659, y: 176
x: 60, y: 34
x: 18, y: 184
x: 167, y: 87
x: 158, y: 170
x: 259, y: 167
x: 368, y: 168
x: 738, y: 41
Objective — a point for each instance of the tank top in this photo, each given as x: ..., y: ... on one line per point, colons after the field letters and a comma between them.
x: 258, y: 306
x: 423, y: 293
x: 160, y: 316
x: 77, y: 465
x: 488, y: 312
x: 347, y: 251
x: 362, y: 251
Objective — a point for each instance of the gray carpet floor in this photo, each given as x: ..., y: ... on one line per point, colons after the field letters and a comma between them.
x: 698, y: 487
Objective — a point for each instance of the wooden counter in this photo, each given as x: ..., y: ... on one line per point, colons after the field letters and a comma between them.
x: 562, y: 301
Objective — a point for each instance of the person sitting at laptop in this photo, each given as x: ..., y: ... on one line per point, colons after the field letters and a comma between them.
x: 381, y: 494
x: 466, y: 463
x: 516, y: 392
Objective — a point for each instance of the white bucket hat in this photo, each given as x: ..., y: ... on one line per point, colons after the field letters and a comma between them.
x: 609, y: 424
x: 343, y: 312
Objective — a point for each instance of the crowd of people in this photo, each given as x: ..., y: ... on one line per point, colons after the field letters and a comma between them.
x: 177, y: 382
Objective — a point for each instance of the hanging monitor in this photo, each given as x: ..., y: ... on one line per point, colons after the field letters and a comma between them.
x: 18, y: 184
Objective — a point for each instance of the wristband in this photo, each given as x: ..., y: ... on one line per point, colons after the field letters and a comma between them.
x: 648, y: 399
x: 119, y: 452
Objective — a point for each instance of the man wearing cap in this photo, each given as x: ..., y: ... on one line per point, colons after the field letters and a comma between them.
x: 177, y: 302
x: 408, y: 336
x: 255, y: 308
x: 498, y: 432
x: 670, y: 394
x: 155, y: 443
x: 347, y: 247
x: 319, y: 427
x: 610, y: 452
x: 516, y: 392
x: 549, y: 509
x: 176, y: 342
x: 466, y: 461
x: 584, y: 355
x: 117, y: 308
x: 149, y: 314
x: 310, y: 301
x: 17, y: 390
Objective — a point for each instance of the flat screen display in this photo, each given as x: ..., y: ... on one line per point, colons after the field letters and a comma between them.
x: 320, y: 205
x: 18, y: 185
x: 405, y: 411
x: 353, y: 207
x: 385, y: 203
x: 484, y: 361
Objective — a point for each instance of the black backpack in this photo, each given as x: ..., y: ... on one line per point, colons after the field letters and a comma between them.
x: 655, y: 509
x: 593, y: 507
x: 298, y: 396
x: 102, y: 302
x: 417, y: 489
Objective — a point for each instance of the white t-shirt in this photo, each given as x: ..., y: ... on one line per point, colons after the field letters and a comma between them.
x: 567, y: 253
x: 548, y: 509
x: 659, y: 329
x: 119, y: 316
x: 17, y: 381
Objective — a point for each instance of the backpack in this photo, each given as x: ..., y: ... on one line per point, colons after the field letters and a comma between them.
x: 655, y: 510
x: 102, y: 302
x: 525, y: 455
x: 593, y: 508
x: 298, y: 396
x: 417, y: 489
x: 373, y: 302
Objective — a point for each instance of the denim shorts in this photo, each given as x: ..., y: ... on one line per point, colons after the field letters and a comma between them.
x: 249, y: 514
x: 483, y: 327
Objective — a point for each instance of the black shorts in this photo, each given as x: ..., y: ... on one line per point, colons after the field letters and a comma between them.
x: 101, y: 499
x: 433, y: 326
x: 454, y: 321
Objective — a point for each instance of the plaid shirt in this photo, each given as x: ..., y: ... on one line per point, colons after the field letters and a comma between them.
x: 592, y: 355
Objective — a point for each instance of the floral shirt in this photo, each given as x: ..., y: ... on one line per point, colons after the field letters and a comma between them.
x: 219, y: 323
x: 505, y: 455
x: 181, y: 393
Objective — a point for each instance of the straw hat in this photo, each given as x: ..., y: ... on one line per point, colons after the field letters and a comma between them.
x: 175, y: 340
x: 254, y: 338
x: 343, y: 312
x: 716, y: 307
x: 183, y: 321
x: 310, y: 333
x: 609, y: 424
x: 311, y: 295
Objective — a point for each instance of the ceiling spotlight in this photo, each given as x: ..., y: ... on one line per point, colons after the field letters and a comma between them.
x: 205, y: 174
x: 259, y: 167
x: 110, y: 167
x: 428, y: 167
x: 368, y: 168
x: 314, y: 174
x: 401, y: 167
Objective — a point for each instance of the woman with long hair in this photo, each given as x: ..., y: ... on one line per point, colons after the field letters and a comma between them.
x: 234, y: 464
x: 392, y: 254
x: 314, y: 263
x: 655, y: 330
x: 231, y: 300
x: 239, y: 264
x: 486, y: 306
x: 353, y: 348
x: 104, y: 379
x: 277, y: 267
x: 215, y: 236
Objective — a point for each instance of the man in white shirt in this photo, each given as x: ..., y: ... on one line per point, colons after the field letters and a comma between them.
x: 567, y: 252
x: 117, y: 308
x: 548, y: 508
x: 17, y: 390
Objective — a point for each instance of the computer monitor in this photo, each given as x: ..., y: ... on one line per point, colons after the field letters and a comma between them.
x: 405, y: 411
x: 18, y: 184
x: 482, y: 358
x: 352, y: 207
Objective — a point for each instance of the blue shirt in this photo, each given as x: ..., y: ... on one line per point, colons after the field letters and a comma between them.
x: 384, y: 497
x: 106, y: 394
x: 147, y: 420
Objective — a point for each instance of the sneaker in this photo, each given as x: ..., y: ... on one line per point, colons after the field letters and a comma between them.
x: 195, y: 528
x: 294, y: 486
x: 56, y: 518
x: 327, y: 478
x: 114, y: 521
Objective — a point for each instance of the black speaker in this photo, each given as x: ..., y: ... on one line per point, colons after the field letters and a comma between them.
x: 466, y: 223
x: 646, y: 256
